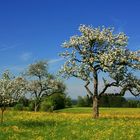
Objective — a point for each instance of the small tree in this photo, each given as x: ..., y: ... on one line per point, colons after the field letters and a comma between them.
x: 41, y: 83
x: 97, y: 51
x: 57, y: 101
x: 11, y: 89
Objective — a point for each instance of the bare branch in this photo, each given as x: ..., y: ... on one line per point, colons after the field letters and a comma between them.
x: 88, y: 90
x: 107, y: 86
x: 134, y: 94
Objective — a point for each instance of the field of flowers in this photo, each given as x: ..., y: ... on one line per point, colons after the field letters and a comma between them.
x: 72, y: 124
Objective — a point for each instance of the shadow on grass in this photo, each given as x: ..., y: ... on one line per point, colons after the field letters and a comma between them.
x: 38, y: 123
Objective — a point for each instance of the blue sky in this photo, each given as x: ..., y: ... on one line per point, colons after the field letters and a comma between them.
x: 35, y: 29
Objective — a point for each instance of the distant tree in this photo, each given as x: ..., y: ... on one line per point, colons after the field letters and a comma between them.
x: 116, y: 101
x: 138, y: 104
x: 132, y: 103
x: 97, y: 51
x: 80, y: 102
x: 11, y: 89
x: 112, y: 101
x: 41, y: 83
x: 104, y: 101
x: 88, y: 101
x: 84, y: 101
x: 68, y: 102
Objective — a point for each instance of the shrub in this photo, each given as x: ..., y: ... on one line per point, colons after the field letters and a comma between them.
x: 19, y: 107
x: 54, y: 102
x: 31, y: 106
x: 68, y: 102
x: 46, y: 106
x: 58, y: 101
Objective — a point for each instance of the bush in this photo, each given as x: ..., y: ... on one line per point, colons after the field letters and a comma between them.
x: 58, y: 101
x: 46, y: 106
x: 19, y: 107
x: 68, y: 102
x: 24, y: 101
x: 54, y: 102
x: 31, y: 106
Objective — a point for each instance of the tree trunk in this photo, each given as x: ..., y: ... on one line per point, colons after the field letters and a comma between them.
x: 2, y: 113
x: 36, y: 107
x: 95, y: 96
x: 95, y: 107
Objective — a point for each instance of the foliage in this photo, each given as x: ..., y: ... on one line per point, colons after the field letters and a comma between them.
x: 112, y: 101
x: 58, y: 101
x: 68, y: 102
x: 19, y: 107
x: 23, y: 100
x: 54, y: 102
x: 108, y: 101
x: 84, y: 101
x: 46, y: 106
x: 31, y: 106
x: 133, y: 103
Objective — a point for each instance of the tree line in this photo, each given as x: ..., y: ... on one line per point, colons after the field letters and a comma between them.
x: 108, y: 101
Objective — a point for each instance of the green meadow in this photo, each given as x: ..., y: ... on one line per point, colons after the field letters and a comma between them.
x: 72, y: 124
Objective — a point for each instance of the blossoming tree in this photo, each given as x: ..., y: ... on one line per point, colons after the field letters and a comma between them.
x: 41, y: 83
x: 11, y: 89
x: 100, y: 50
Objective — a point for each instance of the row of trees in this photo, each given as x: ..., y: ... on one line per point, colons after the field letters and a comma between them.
x: 108, y: 101
x: 95, y: 53
x: 36, y: 82
x: 54, y: 102
x: 60, y: 101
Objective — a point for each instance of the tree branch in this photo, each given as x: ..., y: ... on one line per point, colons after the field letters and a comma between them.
x: 88, y: 90
x: 107, y: 86
x: 97, y: 67
x: 134, y: 94
x: 78, y: 60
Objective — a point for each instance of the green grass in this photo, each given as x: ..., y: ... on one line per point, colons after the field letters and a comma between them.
x: 72, y: 124
x: 82, y: 110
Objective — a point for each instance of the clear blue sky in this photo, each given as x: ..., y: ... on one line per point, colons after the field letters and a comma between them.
x: 35, y: 29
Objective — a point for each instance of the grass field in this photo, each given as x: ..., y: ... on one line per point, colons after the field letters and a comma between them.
x: 72, y: 124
